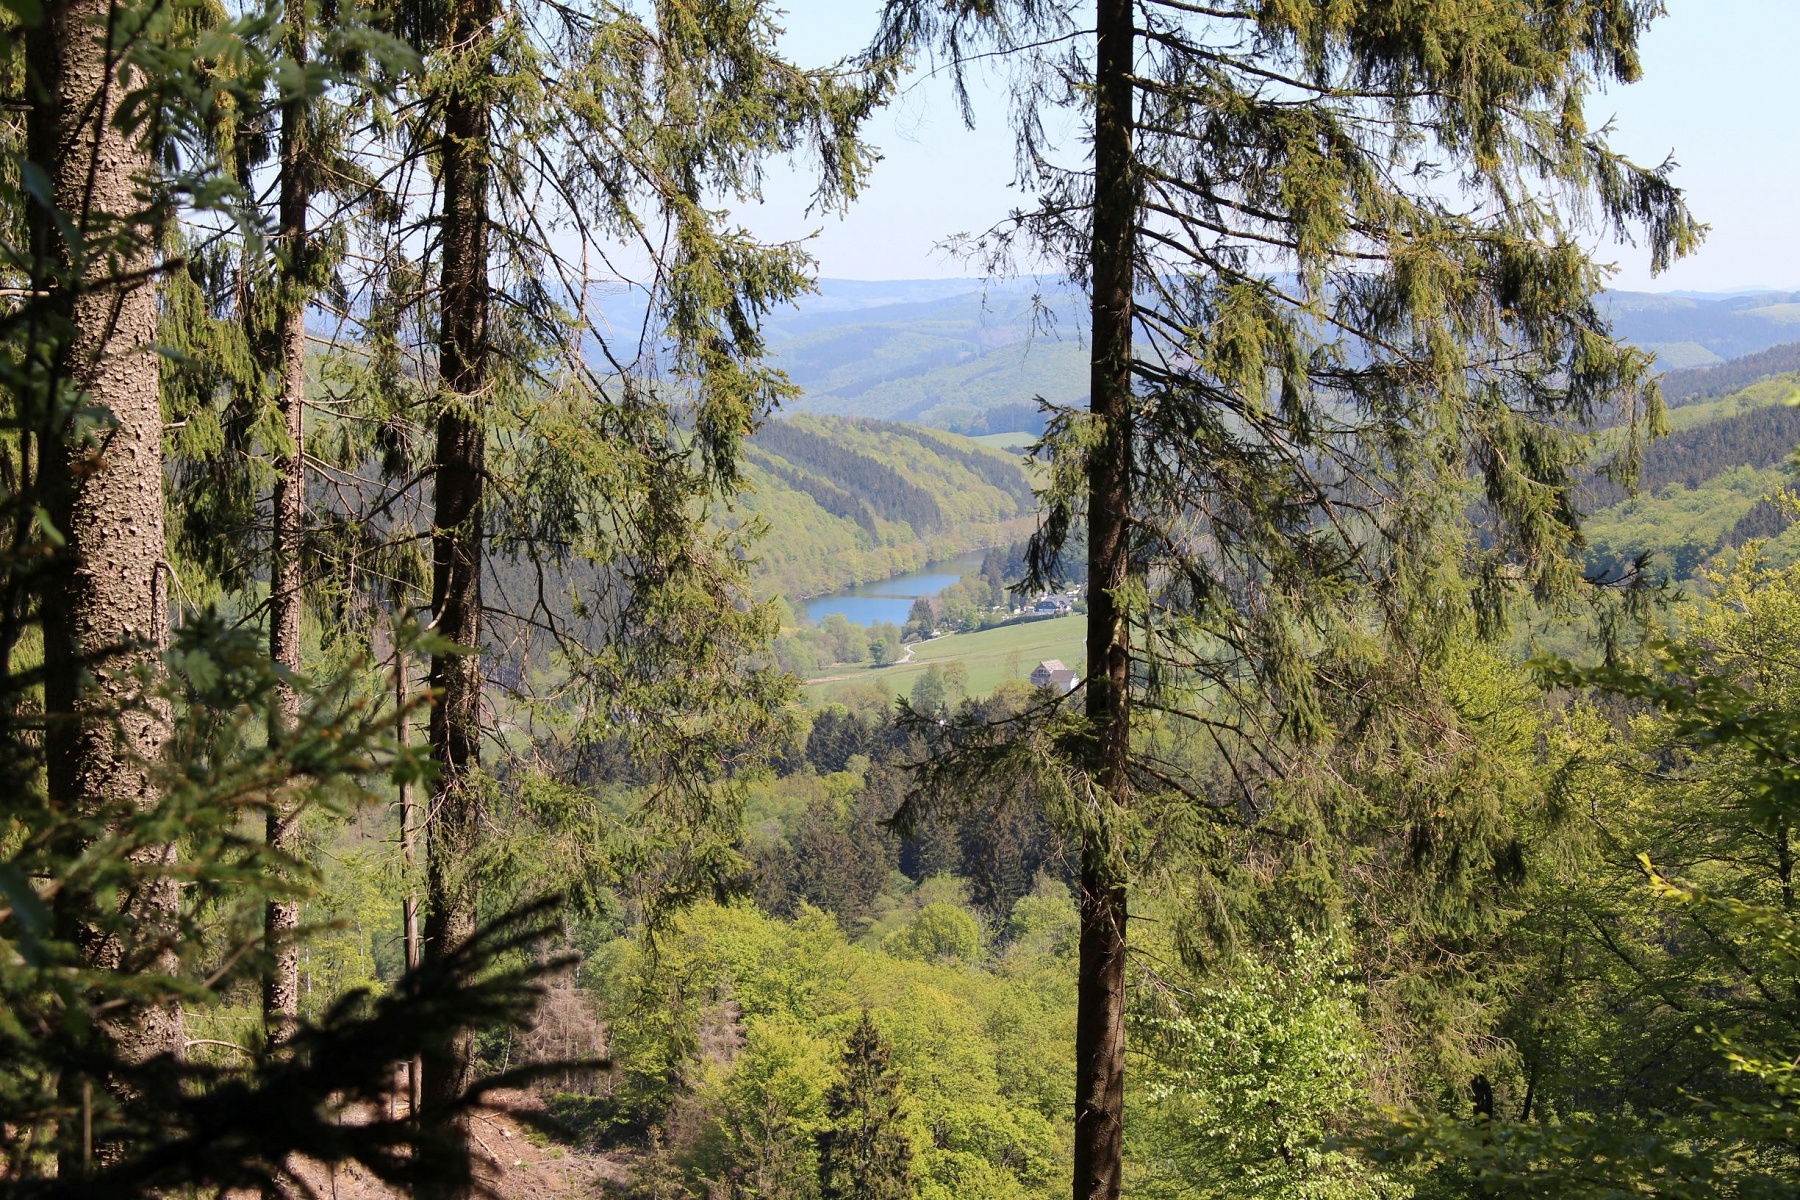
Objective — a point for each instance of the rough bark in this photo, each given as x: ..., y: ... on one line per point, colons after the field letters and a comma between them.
x: 106, y: 610
x: 409, y: 836
x: 281, y: 986
x: 454, y: 824
x: 1100, y: 1017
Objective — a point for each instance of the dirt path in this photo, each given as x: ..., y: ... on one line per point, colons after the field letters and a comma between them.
x: 514, y: 1163
x: 898, y: 662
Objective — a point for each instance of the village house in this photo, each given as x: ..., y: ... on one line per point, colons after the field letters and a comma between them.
x: 1052, y: 674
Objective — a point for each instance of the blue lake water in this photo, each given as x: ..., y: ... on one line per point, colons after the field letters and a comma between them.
x: 891, y: 599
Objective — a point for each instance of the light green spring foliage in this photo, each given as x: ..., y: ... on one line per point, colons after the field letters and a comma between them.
x: 1650, y: 1009
x: 939, y: 933
x: 1422, y: 829
x: 732, y: 1027
x: 1243, y: 1080
x: 749, y: 1015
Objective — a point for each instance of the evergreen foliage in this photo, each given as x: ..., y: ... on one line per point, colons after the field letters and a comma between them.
x: 1409, y: 918
x: 863, y: 1154
x: 1303, y: 358
x: 1653, y: 1027
x: 91, y: 958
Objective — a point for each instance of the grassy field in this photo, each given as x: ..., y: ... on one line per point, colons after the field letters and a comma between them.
x: 992, y: 657
x: 1006, y: 441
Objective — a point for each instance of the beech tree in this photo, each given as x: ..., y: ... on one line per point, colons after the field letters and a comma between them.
x: 1339, y: 299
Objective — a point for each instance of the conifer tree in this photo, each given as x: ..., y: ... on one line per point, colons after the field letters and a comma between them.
x: 573, y: 467
x: 94, y: 237
x: 863, y: 1154
x: 281, y: 987
x: 463, y: 93
x: 234, y: 316
x: 153, y: 747
x: 1335, y: 264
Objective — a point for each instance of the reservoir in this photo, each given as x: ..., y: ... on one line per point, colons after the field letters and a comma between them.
x: 891, y: 599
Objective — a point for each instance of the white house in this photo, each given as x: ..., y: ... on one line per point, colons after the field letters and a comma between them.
x: 1052, y: 674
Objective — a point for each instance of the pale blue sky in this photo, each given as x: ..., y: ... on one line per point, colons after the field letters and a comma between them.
x: 1719, y: 92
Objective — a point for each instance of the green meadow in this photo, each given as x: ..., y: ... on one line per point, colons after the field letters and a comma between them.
x: 991, y: 657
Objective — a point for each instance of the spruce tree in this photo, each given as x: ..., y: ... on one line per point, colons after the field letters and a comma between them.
x: 1339, y: 296
x: 147, y: 742
x: 287, y: 601
x: 863, y: 1153
x: 461, y: 90
x: 94, y: 236
x: 235, y: 310
x: 567, y: 472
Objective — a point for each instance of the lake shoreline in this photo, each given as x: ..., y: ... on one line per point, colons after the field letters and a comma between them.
x: 890, y: 599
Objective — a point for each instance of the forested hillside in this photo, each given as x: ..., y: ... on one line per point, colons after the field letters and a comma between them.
x: 1721, y: 379
x: 1711, y: 485
x: 851, y: 500
x: 973, y: 361
x: 407, y: 789
x: 1696, y: 330
x: 973, y: 356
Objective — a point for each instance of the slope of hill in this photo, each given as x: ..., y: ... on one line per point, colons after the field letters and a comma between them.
x: 961, y: 355
x: 1697, y: 330
x: 852, y: 500
x: 1707, y: 486
x: 1721, y: 379
x: 971, y: 362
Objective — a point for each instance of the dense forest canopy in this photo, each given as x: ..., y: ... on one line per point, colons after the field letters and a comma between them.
x: 410, y: 782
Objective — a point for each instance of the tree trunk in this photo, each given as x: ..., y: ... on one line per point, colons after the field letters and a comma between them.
x: 409, y: 836
x: 1100, y: 1017
x: 281, y: 986
x: 105, y: 607
x: 106, y: 615
x: 453, y: 827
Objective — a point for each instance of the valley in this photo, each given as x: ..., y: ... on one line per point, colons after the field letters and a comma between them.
x: 989, y: 658
x: 522, y: 685
x: 857, y: 504
x: 850, y: 500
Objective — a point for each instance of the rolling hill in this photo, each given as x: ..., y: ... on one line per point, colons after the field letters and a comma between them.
x: 1685, y: 330
x: 970, y: 362
x: 968, y: 357
x: 1706, y: 487
x: 852, y: 494
x: 849, y: 500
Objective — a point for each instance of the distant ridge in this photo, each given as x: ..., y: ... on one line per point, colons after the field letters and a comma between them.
x: 1721, y: 379
x: 974, y: 357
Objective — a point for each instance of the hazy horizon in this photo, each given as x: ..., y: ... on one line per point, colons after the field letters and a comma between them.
x: 1715, y: 77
